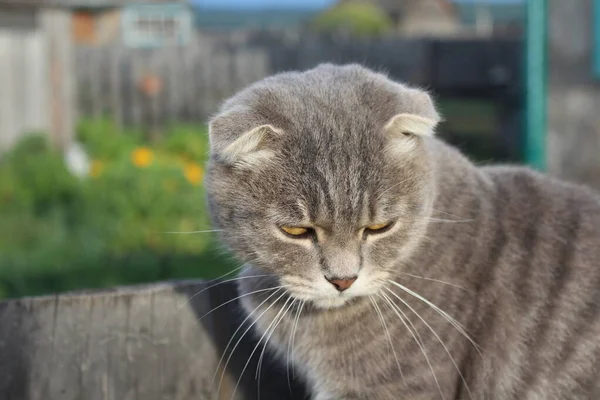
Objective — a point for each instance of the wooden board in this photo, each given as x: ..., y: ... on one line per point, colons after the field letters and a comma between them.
x: 24, y: 94
x: 134, y: 343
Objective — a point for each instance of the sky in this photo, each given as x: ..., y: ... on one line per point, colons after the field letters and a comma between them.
x: 258, y: 4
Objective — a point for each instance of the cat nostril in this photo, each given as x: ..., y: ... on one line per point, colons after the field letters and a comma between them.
x: 342, y: 284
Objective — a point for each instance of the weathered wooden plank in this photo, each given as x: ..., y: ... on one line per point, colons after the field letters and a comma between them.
x: 135, y: 343
x: 56, y: 25
x: 8, y: 129
x: 36, y: 98
x: 23, y: 76
x: 116, y: 99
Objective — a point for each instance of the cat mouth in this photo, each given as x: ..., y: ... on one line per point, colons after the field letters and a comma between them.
x: 323, y: 295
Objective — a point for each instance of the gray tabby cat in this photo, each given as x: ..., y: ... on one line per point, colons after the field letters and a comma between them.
x: 384, y: 265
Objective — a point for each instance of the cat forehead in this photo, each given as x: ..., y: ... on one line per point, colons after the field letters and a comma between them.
x: 336, y: 208
x: 328, y: 187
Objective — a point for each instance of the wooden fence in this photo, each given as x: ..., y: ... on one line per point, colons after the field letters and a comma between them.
x: 135, y: 343
x: 194, y: 80
x: 197, y: 78
x: 36, y: 73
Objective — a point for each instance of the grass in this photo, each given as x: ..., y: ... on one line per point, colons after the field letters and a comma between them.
x: 59, y: 232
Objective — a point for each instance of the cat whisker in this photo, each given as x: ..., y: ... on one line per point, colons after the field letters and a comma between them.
x: 212, y: 286
x: 179, y: 308
x: 389, y: 337
x: 259, y: 340
x: 241, y: 337
x: 459, y: 221
x: 265, y: 344
x: 437, y: 337
x: 447, y: 213
x: 430, y: 240
x: 239, y: 297
x: 294, y: 328
x: 230, y: 301
x: 258, y: 367
x: 416, y: 336
x: 288, y: 348
x: 233, y: 271
x: 441, y: 312
x: 435, y: 280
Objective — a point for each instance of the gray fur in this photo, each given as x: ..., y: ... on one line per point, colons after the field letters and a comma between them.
x: 518, y: 251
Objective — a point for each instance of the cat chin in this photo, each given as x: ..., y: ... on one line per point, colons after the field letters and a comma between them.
x: 330, y: 302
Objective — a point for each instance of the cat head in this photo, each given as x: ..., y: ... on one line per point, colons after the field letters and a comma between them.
x: 322, y: 178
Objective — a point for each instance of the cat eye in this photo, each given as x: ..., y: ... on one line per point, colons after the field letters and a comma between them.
x: 378, y: 228
x: 297, y: 232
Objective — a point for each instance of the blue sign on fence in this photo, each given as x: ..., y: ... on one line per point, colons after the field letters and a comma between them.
x: 156, y: 25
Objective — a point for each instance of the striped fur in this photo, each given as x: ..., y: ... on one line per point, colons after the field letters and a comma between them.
x: 512, y: 255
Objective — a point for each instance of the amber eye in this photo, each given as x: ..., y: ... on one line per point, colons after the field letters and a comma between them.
x: 378, y: 228
x: 297, y: 231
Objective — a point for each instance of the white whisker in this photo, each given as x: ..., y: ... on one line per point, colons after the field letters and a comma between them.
x: 435, y: 280
x: 241, y: 337
x: 207, y: 288
x: 389, y: 337
x: 239, y: 297
x: 259, y: 340
x: 260, y: 359
x: 287, y: 365
x: 275, y: 321
x: 437, y: 337
x: 179, y: 308
x: 233, y: 271
x: 294, y: 333
x: 444, y: 314
x: 419, y: 341
x: 450, y: 220
x: 447, y: 213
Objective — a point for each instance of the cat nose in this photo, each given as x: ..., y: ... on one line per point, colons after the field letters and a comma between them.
x: 342, y: 284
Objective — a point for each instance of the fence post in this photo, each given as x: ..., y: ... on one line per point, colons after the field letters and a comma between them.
x: 115, y: 87
x: 536, y: 75
x: 57, y: 28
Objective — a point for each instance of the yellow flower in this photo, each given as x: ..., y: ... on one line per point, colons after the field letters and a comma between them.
x: 96, y: 168
x: 142, y: 157
x: 193, y: 173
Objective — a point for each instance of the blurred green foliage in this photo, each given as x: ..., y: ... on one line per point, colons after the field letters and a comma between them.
x: 356, y: 18
x: 60, y: 232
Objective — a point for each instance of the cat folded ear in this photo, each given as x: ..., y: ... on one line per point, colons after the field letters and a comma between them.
x: 418, y: 118
x: 410, y: 125
x: 239, y: 139
x: 247, y: 150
